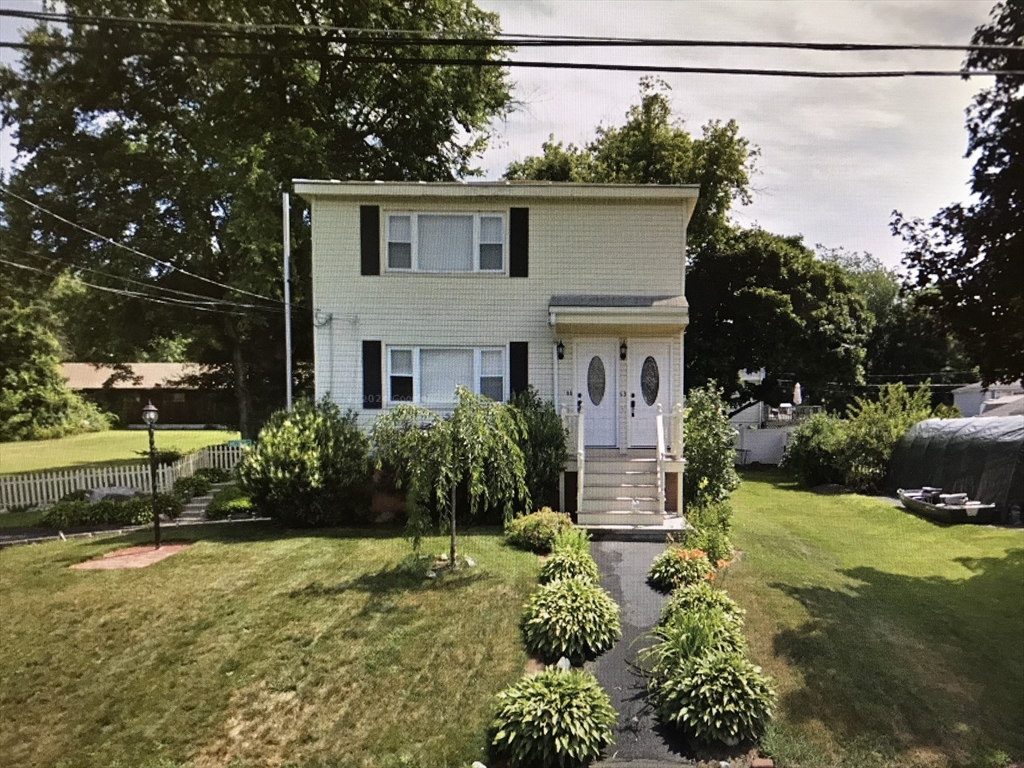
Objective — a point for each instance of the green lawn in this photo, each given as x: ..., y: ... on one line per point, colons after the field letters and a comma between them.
x: 256, y: 647
x: 96, y: 448
x: 892, y: 640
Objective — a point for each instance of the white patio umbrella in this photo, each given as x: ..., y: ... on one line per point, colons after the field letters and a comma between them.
x: 797, y: 395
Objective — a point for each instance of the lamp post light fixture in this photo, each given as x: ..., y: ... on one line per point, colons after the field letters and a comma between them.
x: 150, y: 415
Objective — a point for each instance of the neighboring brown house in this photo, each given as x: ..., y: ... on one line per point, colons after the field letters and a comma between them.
x: 125, y: 392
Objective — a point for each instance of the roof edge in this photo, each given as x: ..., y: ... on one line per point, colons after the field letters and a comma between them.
x: 501, y: 189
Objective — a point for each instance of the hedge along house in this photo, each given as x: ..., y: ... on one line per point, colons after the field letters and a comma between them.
x: 575, y: 289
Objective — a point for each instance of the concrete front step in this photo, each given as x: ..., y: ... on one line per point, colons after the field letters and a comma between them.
x: 610, y: 466
x: 598, y: 506
x: 620, y: 517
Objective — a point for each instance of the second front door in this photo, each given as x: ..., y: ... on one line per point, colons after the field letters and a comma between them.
x: 596, y: 390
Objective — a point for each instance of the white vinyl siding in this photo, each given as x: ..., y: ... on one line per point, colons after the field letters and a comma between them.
x: 429, y: 375
x: 576, y: 247
x: 445, y: 242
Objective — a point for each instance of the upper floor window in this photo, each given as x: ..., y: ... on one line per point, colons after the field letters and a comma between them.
x: 446, y: 242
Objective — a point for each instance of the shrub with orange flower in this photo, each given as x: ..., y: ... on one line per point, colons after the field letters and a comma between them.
x: 678, y: 566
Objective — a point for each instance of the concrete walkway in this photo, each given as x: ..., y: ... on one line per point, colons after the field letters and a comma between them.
x: 639, y: 738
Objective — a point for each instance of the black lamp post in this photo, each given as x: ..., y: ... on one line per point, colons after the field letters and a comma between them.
x: 150, y: 415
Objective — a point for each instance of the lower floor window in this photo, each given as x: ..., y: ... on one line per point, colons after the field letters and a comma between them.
x: 429, y: 375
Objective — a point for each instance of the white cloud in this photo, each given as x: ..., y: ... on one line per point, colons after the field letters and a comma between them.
x: 837, y: 156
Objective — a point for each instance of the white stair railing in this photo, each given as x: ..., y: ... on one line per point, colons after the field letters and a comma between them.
x: 659, y: 421
x: 580, y: 457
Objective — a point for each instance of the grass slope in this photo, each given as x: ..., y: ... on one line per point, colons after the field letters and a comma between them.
x: 255, y: 647
x: 96, y: 448
x: 892, y: 640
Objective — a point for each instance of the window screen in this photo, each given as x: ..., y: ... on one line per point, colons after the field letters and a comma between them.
x: 492, y: 243
x: 441, y: 370
x: 492, y: 374
x: 401, y: 375
x: 400, y: 242
x: 445, y: 243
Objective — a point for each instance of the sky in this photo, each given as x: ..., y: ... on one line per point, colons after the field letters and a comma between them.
x: 837, y: 157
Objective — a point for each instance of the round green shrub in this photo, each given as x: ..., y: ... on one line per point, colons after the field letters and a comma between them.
x: 574, y: 618
x: 553, y: 718
x: 701, y: 598
x: 187, y: 488
x: 719, y: 697
x: 568, y: 564
x: 228, y: 501
x: 536, y: 532
x: 678, y: 566
x: 310, y: 467
x: 572, y: 538
x: 214, y: 474
x: 542, y: 443
x: 683, y: 639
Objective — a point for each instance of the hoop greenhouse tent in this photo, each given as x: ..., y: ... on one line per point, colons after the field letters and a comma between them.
x: 982, y: 457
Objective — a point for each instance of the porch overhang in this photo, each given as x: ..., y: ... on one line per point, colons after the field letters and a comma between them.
x: 604, y: 313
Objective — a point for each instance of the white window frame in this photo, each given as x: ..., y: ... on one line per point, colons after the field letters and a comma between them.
x: 414, y: 242
x: 477, y: 372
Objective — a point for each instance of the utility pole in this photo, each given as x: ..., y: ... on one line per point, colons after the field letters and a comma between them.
x: 287, y: 300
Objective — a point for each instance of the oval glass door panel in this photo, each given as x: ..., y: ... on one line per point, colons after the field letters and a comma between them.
x: 596, y: 380
x: 650, y: 381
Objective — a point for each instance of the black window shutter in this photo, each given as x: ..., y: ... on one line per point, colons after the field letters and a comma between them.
x: 369, y: 239
x: 373, y: 389
x: 518, y: 366
x: 519, y: 242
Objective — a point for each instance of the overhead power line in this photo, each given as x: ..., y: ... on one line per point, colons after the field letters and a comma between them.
x: 190, y: 299
x: 467, y: 62
x: 137, y: 252
x: 122, y: 292
x: 378, y: 36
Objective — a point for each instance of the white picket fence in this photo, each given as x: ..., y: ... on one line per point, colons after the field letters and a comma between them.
x: 47, y: 487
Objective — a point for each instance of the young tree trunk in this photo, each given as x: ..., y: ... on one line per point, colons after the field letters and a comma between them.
x: 243, y: 397
x: 451, y: 553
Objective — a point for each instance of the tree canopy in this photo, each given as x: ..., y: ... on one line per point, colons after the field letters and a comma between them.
x: 652, y: 147
x: 970, y: 258
x: 177, y: 141
x: 759, y: 300
x: 756, y: 299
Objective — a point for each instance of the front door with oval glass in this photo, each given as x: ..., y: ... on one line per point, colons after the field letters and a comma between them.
x: 596, y: 390
x: 650, y: 384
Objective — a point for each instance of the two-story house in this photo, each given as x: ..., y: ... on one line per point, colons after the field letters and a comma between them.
x: 576, y: 289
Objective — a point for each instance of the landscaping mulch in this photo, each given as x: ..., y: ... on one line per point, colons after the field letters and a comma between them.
x: 130, y: 557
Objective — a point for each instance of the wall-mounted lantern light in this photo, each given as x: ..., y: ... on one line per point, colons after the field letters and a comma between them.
x: 560, y: 349
x: 622, y: 350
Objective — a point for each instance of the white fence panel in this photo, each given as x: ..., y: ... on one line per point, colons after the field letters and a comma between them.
x: 762, y: 446
x: 47, y: 487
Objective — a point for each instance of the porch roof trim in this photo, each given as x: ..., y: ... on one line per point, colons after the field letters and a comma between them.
x: 591, y: 309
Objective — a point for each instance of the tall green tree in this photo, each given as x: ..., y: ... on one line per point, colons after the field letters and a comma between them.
x: 178, y: 140
x: 906, y: 341
x: 759, y: 300
x: 756, y: 299
x: 653, y: 147
x: 971, y: 257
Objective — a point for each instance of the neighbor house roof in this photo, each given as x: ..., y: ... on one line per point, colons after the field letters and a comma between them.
x: 1008, y: 405
x: 145, y: 375
x: 1014, y: 386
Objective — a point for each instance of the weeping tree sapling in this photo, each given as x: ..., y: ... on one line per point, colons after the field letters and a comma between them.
x: 477, y: 445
